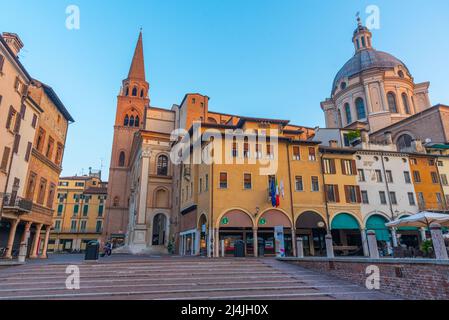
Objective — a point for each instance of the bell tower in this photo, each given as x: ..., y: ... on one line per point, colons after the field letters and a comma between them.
x: 132, y: 102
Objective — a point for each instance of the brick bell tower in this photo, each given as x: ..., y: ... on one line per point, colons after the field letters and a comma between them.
x: 132, y: 102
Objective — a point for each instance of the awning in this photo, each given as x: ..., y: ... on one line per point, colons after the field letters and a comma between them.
x: 377, y: 224
x: 345, y: 221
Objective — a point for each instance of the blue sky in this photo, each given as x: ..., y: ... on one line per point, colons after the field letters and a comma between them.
x: 267, y: 58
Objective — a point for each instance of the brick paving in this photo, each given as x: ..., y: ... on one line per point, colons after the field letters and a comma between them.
x: 174, y: 278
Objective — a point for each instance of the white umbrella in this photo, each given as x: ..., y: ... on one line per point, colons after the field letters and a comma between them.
x: 421, y: 220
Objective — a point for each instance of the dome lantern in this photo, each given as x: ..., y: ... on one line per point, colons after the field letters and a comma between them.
x: 362, y: 37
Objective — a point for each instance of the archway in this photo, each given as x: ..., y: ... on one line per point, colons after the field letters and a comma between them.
x: 311, y: 227
x: 203, y: 228
x: 236, y: 225
x: 409, y: 236
x: 404, y: 142
x: 159, y: 230
x: 267, y: 223
x: 346, y: 235
x: 377, y: 223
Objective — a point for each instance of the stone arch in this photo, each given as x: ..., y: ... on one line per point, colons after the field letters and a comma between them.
x: 202, y: 220
x: 404, y: 140
x: 350, y: 214
x: 159, y: 229
x: 161, y: 198
x: 275, y: 217
x: 162, y: 164
x: 375, y: 213
x: 238, y: 218
x: 309, y: 220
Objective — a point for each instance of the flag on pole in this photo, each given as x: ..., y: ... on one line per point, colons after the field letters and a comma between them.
x: 282, y: 189
x: 278, y: 199
x: 273, y: 193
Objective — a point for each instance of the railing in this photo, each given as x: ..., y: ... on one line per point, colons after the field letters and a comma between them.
x: 14, y: 202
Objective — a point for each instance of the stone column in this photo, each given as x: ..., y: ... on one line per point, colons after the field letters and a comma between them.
x: 293, y: 242
x: 372, y: 244
x: 423, y: 234
x: 11, y: 237
x: 192, y: 245
x: 24, y: 243
x: 366, y: 251
x: 368, y: 100
x: 209, y: 247
x: 299, y: 248
x: 222, y: 248
x: 438, y: 242
x: 198, y: 243
x: 394, y: 237
x: 329, y: 246
x: 256, y: 242
x: 217, y: 243
x: 383, y: 96
x: 47, y: 237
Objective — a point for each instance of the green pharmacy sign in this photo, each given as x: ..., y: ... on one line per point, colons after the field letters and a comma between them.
x: 263, y: 221
x: 225, y: 221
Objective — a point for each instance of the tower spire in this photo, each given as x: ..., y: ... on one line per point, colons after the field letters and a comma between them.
x: 137, y: 70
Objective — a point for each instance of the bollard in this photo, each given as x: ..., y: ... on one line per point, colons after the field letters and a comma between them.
x: 329, y: 247
x: 222, y: 248
x: 372, y: 245
x: 299, y: 248
x: 438, y: 242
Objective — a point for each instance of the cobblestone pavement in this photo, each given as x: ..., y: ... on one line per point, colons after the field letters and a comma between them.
x: 174, y: 278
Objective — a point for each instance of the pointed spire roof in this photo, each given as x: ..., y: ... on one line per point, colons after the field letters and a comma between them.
x: 137, y: 70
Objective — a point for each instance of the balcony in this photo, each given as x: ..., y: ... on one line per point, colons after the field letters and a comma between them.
x: 11, y: 202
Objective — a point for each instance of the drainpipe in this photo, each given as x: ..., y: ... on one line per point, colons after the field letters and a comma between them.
x: 387, y: 186
x: 442, y: 189
x: 323, y: 176
x: 291, y: 202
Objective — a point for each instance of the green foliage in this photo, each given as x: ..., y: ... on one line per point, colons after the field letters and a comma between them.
x: 353, y: 135
x: 427, y: 246
x: 171, y: 246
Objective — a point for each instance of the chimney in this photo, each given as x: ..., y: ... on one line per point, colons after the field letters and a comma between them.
x: 388, y: 138
x: 333, y: 143
x: 365, y: 136
x: 417, y: 146
x: 13, y: 41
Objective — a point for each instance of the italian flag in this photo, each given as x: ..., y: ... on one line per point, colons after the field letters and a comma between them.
x: 278, y: 198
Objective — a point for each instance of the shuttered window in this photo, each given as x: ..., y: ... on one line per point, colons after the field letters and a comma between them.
x: 223, y: 180
x: 296, y: 153
x: 28, y: 153
x: 5, y: 158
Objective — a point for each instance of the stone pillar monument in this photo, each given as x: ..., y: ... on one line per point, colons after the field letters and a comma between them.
x: 372, y: 245
x: 438, y: 242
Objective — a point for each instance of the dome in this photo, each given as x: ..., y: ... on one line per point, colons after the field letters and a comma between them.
x: 366, y: 60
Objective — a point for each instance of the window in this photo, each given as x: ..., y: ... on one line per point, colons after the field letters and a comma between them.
x: 296, y: 153
x: 73, y: 226
x: 51, y: 196
x: 60, y: 209
x: 432, y: 162
x: 299, y: 186
x: 16, y: 143
x: 332, y: 194
x: 223, y: 180
x: 23, y: 109
x: 5, y: 159
x: 2, y: 63
x: 50, y: 145
x: 405, y: 103
x: 247, y: 181
x: 421, y: 201
x: 353, y: 194
x: 416, y: 176
x: 401, y: 74
x: 391, y: 97
x: 162, y: 165
x: 270, y: 153
x: 76, y: 209
x: 379, y: 177
x: 411, y: 199
x: 28, y: 152
x: 414, y: 161
x: 312, y: 154
x: 99, y: 227
x: 207, y: 183
x: 127, y: 91
x: 85, y: 210
x: 246, y: 151
x: 434, y: 176
x: 383, y: 198
x: 315, y: 184
x: 258, y: 151
x: 137, y: 122
x: 57, y: 225
x: 201, y: 185
x: 235, y: 152
x: 41, y: 191
x: 141, y: 93
x: 100, y: 210
x: 329, y: 166
x: 83, y: 226
x: 131, y: 121
x: 361, y: 175
x: 348, y: 167
x: 360, y: 106
x: 348, y: 113
x: 405, y: 142
x: 439, y: 199
x: 31, y: 186
x: 389, y: 176
x: 407, y: 177
x: 393, y: 198
x: 40, y: 140
x: 10, y: 119
x: 121, y: 159
x: 126, y: 121
x: 444, y: 180
x: 34, y: 121
x: 58, y: 156
x: 134, y: 93
x: 79, y: 184
x: 365, y: 199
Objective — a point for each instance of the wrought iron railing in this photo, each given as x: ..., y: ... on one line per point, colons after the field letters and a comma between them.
x: 15, y: 202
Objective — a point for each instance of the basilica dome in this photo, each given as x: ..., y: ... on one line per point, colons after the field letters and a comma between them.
x: 365, y: 60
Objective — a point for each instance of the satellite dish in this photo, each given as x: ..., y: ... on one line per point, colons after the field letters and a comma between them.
x: 428, y: 140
